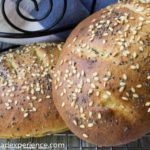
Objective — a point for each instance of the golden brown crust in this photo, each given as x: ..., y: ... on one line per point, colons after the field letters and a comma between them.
x: 26, y: 108
x: 105, y: 76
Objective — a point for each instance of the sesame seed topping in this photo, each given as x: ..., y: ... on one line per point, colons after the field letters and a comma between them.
x: 25, y: 115
x: 139, y: 86
x: 147, y: 104
x: 124, y: 76
x: 91, y: 103
x: 135, y: 95
x: 90, y: 91
x: 90, y: 125
x: 99, y: 115
x: 97, y: 93
x: 148, y: 77
x: 93, y: 85
x: 74, y: 122
x: 82, y: 126
x: 85, y: 135
x: 63, y: 104
x: 121, y: 89
x: 105, y: 96
x: 125, y: 98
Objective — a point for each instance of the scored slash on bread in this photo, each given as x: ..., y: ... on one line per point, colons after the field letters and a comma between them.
x: 101, y: 85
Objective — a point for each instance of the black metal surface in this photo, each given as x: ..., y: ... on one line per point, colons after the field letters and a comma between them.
x: 30, y: 34
x: 72, y: 142
x: 27, y: 33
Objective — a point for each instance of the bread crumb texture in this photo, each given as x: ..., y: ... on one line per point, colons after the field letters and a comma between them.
x: 103, y: 75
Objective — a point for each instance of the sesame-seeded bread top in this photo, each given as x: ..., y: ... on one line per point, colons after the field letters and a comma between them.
x: 101, y: 84
x: 26, y: 105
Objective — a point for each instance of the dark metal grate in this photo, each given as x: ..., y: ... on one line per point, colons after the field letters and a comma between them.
x: 71, y: 142
x: 28, y: 34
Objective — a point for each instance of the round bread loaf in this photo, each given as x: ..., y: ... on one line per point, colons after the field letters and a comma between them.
x: 101, y: 84
x: 26, y: 106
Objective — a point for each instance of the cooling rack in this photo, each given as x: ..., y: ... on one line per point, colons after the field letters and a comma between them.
x: 70, y: 141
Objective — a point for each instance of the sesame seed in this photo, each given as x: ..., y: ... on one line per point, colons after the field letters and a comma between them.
x: 16, y: 102
x: 105, y: 34
x: 22, y: 109
x: 9, y: 107
x: 147, y: 22
x: 133, y: 89
x: 25, y: 115
x: 88, y: 80
x: 40, y: 100
x: 85, y: 135
x: 97, y: 93
x: 93, y: 85
x: 99, y: 115
x: 74, y: 39
x: 147, y: 104
x: 105, y: 79
x: 34, y: 97
x: 148, y: 77
x: 109, y: 93
x: 105, y: 96
x: 34, y: 109
x: 127, y: 94
x: 9, y: 101
x: 91, y: 103
x: 104, y: 41
x: 73, y: 104
x: 82, y: 126
x: 134, y: 54
x: 139, y: 86
x: 125, y: 98
x: 90, y: 91
x: 95, y: 74
x: 124, y: 76
x: 141, y: 18
x: 121, y: 89
x: 63, y: 104
x: 83, y: 73
x: 90, y: 125
x: 48, y: 96
x: 32, y: 91
x: 62, y: 93
x: 109, y: 73
x: 7, y: 104
x: 96, y: 78
x: 65, y: 91
x: 81, y: 110
x: 135, y: 95
x: 122, y: 83
x: 74, y: 122
x: 148, y: 110
x: 133, y: 67
x: 90, y: 114
x: 141, y: 49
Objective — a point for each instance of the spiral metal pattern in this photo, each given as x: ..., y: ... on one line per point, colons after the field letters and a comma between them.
x: 29, y: 34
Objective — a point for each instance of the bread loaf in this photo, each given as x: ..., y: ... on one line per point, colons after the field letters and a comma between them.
x: 101, y: 84
x: 26, y: 105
